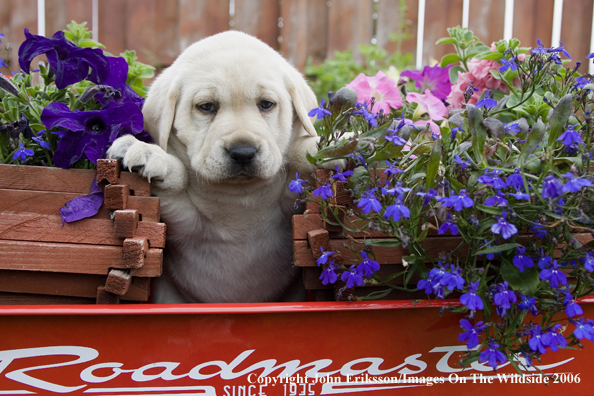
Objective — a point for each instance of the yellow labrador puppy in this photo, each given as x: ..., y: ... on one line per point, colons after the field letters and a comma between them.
x: 230, y: 119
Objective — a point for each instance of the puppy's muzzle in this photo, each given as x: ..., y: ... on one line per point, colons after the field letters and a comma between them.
x: 242, y: 155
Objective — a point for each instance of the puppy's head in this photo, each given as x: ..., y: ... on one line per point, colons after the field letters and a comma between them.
x: 235, y: 105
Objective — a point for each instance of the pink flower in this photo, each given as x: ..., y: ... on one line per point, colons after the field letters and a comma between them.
x: 435, y: 79
x: 381, y: 87
x: 434, y: 127
x: 429, y: 104
x: 479, y: 72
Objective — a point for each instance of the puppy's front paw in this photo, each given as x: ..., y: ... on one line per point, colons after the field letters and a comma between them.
x: 151, y: 161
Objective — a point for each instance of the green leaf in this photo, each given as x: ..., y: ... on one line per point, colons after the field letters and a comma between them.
x: 478, y: 132
x: 454, y: 73
x: 589, y: 86
x: 489, y: 209
x: 525, y: 282
x: 360, y: 173
x: 534, y: 139
x: 560, y: 116
x: 433, y: 165
x: 310, y: 158
x: 338, y: 150
x: 382, y: 242
x: 498, y: 248
x: 389, y: 151
x: 449, y: 59
x: 489, y: 55
x: 445, y: 40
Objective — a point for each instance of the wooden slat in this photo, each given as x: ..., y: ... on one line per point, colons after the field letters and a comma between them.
x: 67, y: 257
x: 112, y: 26
x: 166, y: 33
x: 440, y: 15
x: 304, y: 31
x: 486, y: 20
x: 392, y: 19
x: 543, y: 20
x: 39, y: 299
x: 47, y: 228
x: 577, y: 14
x: 258, y: 18
x: 140, y: 29
x: 23, y: 14
x: 201, y: 18
x: 40, y: 178
x: 66, y: 284
x: 49, y: 203
x: 343, y: 35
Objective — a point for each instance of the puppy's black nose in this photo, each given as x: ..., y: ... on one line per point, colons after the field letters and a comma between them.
x: 242, y: 155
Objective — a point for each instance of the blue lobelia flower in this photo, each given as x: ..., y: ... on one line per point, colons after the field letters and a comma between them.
x: 503, y: 298
x: 511, y: 127
x: 448, y: 225
x: 456, y: 130
x: 515, y: 180
x: 324, y: 191
x: 556, y: 339
x: 319, y: 112
x: 369, y: 202
x: 340, y: 175
x: 520, y: 195
x: 562, y: 50
x: 471, y: 299
x: 352, y: 277
x: 572, y: 308
x: 296, y: 185
x: 459, y: 161
x: 470, y: 335
x: 511, y: 64
x: 391, y: 169
x: 554, y: 275
x: 487, y: 101
x: 40, y: 141
x: 497, y: 200
x: 367, y: 266
x: 371, y: 118
x: 22, y: 153
x: 538, y: 341
x: 492, y: 179
x: 492, y: 356
x: 521, y: 260
x: 539, y: 230
x: 69, y: 63
x: 428, y: 196
x: 329, y: 274
x: 397, y: 210
x: 452, y: 280
x: 570, y: 137
x: 575, y: 184
x: 544, y: 261
x: 395, y: 139
x: 583, y: 329
x: 397, y: 190
x: 427, y: 284
x: 528, y: 304
x: 89, y: 132
x: 458, y: 202
x: 589, y: 262
x: 323, y: 259
x: 503, y: 227
x: 590, y: 56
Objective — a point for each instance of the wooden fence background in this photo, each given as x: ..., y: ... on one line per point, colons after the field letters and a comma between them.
x: 160, y: 29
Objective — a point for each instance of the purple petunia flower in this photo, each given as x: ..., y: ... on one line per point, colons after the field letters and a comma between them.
x: 329, y: 274
x: 324, y: 191
x: 551, y: 188
x: 472, y: 300
x: 554, y: 275
x: 118, y: 74
x: 528, y: 304
x: 296, y: 185
x: 538, y: 341
x: 458, y: 202
x: 22, y: 153
x: 369, y: 202
x: 570, y: 137
x: 367, y: 266
x: 319, y: 112
x: 397, y: 210
x: 69, y: 63
x: 487, y: 101
x: 521, y: 261
x: 434, y: 78
x: 323, y: 259
x: 352, y: 277
x: 503, y: 227
x: 428, y: 196
x: 84, y: 206
x: 340, y: 175
x: 492, y: 356
x: 448, y: 225
x: 471, y: 333
x: 575, y: 184
x: 89, y: 132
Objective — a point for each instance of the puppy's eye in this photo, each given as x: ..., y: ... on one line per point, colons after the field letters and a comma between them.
x: 207, y: 107
x: 266, y: 105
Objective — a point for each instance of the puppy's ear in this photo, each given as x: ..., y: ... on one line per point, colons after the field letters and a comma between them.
x: 159, y: 108
x: 303, y: 98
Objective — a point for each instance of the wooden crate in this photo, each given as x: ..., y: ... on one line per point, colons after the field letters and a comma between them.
x: 109, y: 257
